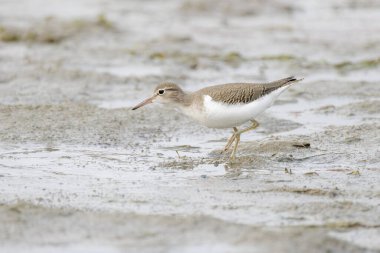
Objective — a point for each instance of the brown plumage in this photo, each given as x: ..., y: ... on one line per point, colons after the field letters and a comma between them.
x: 235, y: 93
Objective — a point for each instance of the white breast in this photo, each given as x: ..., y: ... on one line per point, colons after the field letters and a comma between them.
x: 222, y: 115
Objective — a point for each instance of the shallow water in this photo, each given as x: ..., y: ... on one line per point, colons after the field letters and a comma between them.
x: 73, y: 154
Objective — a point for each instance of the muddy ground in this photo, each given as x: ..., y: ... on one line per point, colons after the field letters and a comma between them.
x: 81, y: 172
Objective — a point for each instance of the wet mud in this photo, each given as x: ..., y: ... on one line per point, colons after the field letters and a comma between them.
x: 80, y: 171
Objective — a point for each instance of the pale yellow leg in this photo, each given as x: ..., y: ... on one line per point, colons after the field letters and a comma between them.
x: 236, y: 137
x: 254, y: 125
x: 230, y: 140
x: 237, y: 140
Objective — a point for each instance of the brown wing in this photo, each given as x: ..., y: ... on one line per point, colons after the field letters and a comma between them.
x: 235, y: 93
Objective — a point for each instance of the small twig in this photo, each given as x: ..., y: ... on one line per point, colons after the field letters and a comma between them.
x: 288, y: 171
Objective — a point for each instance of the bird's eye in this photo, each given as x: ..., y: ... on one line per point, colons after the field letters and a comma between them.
x: 161, y: 92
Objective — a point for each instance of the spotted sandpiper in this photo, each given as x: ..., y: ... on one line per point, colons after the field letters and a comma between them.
x: 222, y: 106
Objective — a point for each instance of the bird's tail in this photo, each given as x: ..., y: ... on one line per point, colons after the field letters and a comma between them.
x: 272, y: 86
x: 286, y: 81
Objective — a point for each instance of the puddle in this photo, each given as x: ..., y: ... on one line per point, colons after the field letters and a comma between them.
x: 310, y: 119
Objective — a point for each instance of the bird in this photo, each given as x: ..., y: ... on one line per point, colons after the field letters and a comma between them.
x: 227, y: 105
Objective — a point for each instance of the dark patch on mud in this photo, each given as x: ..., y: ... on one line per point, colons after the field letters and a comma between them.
x: 239, y: 8
x: 52, y: 30
x: 63, y: 123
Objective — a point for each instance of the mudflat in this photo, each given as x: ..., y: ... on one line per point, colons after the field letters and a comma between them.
x: 80, y: 171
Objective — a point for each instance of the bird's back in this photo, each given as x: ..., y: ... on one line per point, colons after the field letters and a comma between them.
x: 242, y: 93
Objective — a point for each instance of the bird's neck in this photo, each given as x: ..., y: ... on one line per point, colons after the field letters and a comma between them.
x: 185, y: 99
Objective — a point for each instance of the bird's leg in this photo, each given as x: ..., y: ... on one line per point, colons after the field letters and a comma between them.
x: 230, y: 140
x: 237, y: 140
x: 254, y: 125
x: 237, y: 134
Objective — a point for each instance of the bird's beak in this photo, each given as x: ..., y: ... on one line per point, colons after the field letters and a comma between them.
x: 145, y: 102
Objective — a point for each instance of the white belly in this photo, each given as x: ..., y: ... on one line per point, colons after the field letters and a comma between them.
x: 221, y: 115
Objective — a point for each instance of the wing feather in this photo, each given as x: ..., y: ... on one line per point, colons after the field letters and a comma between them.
x: 235, y: 93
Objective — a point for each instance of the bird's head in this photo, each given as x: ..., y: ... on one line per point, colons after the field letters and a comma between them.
x: 164, y: 93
